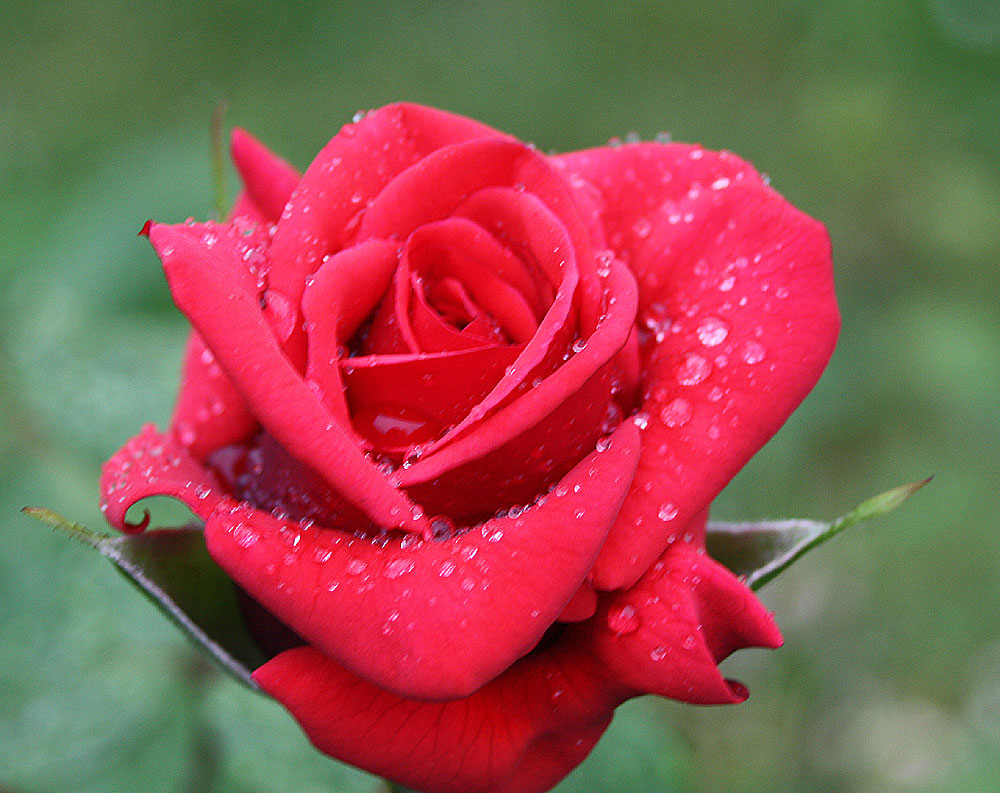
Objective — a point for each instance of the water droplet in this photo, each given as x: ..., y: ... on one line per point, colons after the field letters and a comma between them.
x: 693, y: 369
x: 603, y: 444
x: 322, y: 554
x: 579, y: 345
x: 642, y: 227
x: 446, y: 569
x: 753, y: 352
x: 712, y: 331
x: 721, y: 183
x: 623, y: 619
x: 667, y: 512
x: 688, y: 642
x: 245, y: 537
x: 395, y: 426
x: 641, y: 420
x: 468, y: 552
x: 677, y: 413
x: 397, y: 567
x: 356, y: 567
x: 658, y: 653
x: 468, y: 584
x: 715, y: 393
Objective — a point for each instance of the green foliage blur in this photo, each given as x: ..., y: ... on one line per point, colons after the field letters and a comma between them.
x: 881, y: 119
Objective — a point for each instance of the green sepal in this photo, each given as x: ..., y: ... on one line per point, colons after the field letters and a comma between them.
x: 759, y: 551
x: 173, y: 569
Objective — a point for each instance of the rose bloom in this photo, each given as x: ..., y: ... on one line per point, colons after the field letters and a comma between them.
x: 453, y: 412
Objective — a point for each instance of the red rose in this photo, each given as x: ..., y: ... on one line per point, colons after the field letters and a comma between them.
x: 455, y: 411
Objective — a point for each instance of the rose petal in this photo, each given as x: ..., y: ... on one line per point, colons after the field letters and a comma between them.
x: 582, y: 606
x: 268, y: 179
x: 217, y: 295
x: 348, y: 173
x: 668, y: 632
x: 630, y: 187
x: 441, y: 386
x: 466, y: 252
x: 434, y: 333
x: 520, y: 733
x: 210, y: 412
x: 533, y: 405
x: 744, y: 320
x: 154, y: 464
x: 437, y: 619
x: 337, y: 300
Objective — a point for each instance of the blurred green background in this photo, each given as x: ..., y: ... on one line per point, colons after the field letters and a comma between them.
x: 882, y: 119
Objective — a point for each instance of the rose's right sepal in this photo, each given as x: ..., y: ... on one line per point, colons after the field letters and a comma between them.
x: 757, y: 552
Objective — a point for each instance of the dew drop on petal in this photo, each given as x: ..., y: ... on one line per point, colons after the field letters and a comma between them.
x: 658, y: 653
x: 753, y: 352
x: 356, y: 567
x: 446, y: 569
x: 667, y: 512
x: 712, y: 331
x: 244, y: 537
x: 397, y: 567
x: 623, y: 619
x: 677, y: 413
x: 693, y: 369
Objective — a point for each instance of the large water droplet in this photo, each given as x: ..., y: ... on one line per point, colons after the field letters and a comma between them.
x: 245, y: 537
x: 623, y: 619
x: 677, y: 413
x: 712, y: 331
x: 356, y: 567
x: 753, y: 352
x: 397, y: 567
x: 693, y: 369
x: 395, y: 426
x: 667, y: 512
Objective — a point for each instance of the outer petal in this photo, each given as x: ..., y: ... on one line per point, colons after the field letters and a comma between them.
x: 268, y: 179
x: 154, y: 464
x: 215, y: 292
x: 667, y: 633
x: 210, y: 412
x: 636, y: 183
x: 520, y: 733
x: 434, y: 620
x: 742, y: 320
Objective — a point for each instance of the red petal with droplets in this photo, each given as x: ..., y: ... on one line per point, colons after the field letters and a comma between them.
x: 268, y: 179
x: 154, y: 464
x: 520, y: 733
x: 542, y: 400
x: 217, y: 294
x: 210, y: 412
x: 435, y: 619
x: 339, y: 298
x: 736, y: 290
x: 667, y: 634
x: 350, y: 171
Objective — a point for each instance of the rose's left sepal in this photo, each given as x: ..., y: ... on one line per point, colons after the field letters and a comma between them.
x: 173, y: 569
x: 757, y: 552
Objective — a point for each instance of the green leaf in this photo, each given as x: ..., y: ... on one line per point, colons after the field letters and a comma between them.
x: 173, y: 569
x: 757, y: 552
